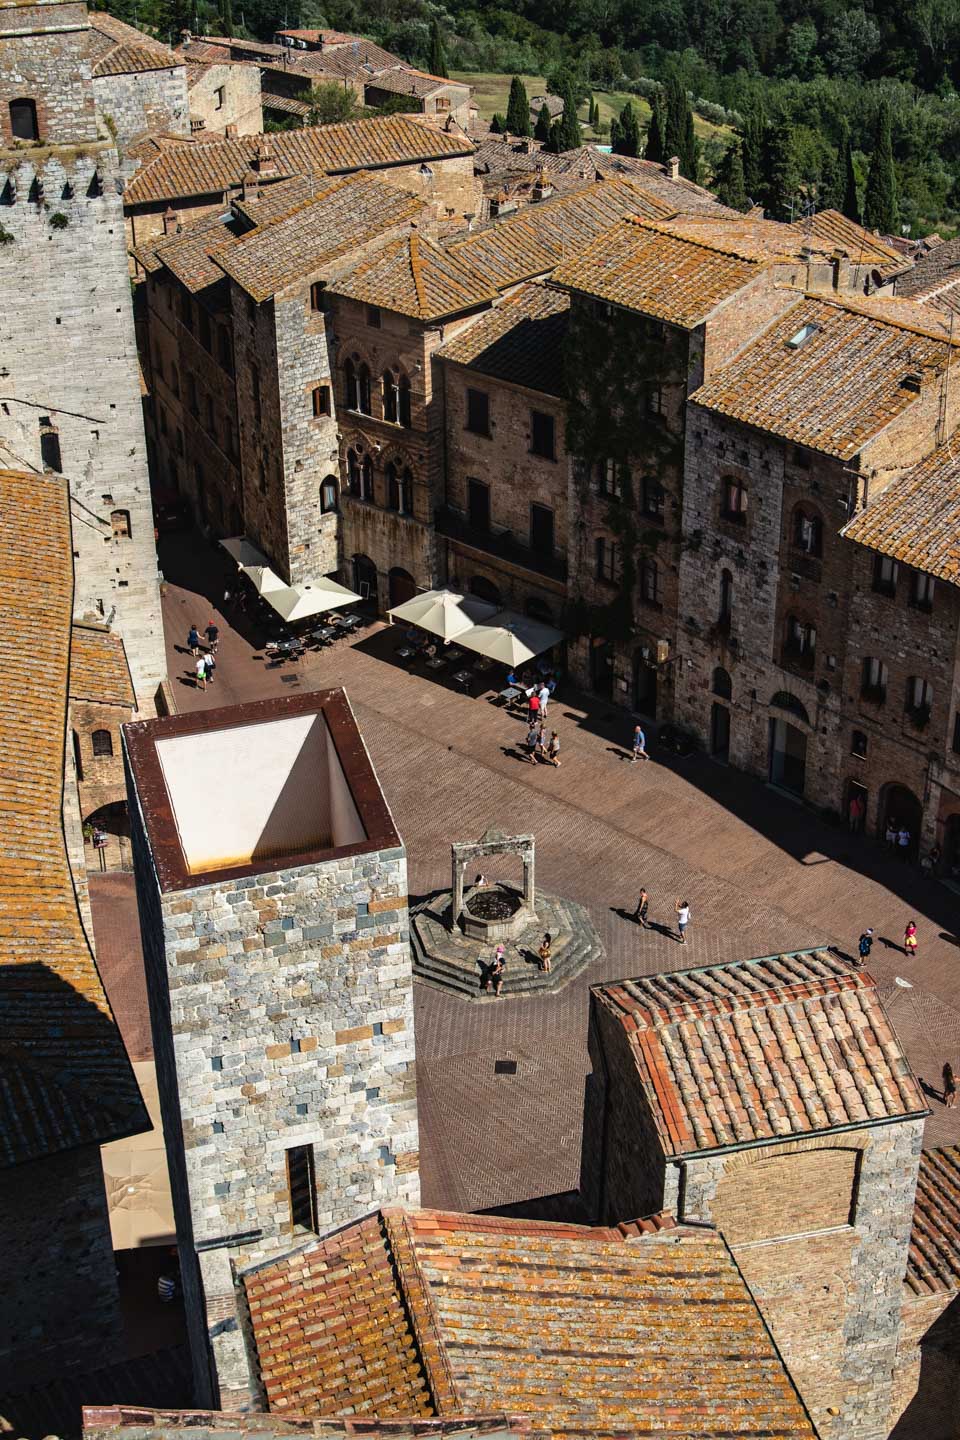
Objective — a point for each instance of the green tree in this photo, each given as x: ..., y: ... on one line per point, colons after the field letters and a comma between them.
x: 541, y: 130
x: 751, y: 150
x: 498, y: 123
x: 781, y: 172
x: 850, y: 204
x: 570, y: 137
x: 729, y: 178
x: 614, y: 134
x: 437, y: 63
x: 555, y: 138
x: 628, y: 132
x: 830, y: 186
x: 226, y: 17
x: 656, y: 147
x: 880, y: 208
x: 680, y: 138
x: 518, y: 108
x: 330, y: 103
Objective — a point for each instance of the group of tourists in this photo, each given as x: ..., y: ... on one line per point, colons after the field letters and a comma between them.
x: 538, y: 745
x: 495, y: 972
x: 682, y: 908
x: 205, y: 663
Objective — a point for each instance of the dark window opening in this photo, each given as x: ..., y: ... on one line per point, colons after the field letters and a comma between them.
x: 328, y: 496
x: 606, y: 552
x: 541, y: 529
x: 478, y: 412
x: 478, y: 505
x: 541, y: 435
x: 102, y: 743
x: 302, y: 1189
x: 735, y: 501
x: 921, y: 591
x: 800, y: 643
x: 649, y: 582
x: 885, y: 575
x: 50, y: 451
x: 858, y: 744
x: 321, y: 400
x: 873, y: 685
x: 725, y: 613
x: 722, y: 684
x: 373, y: 316
x: 807, y: 532
x: 317, y: 296
x: 23, y: 120
x: 653, y: 498
x: 391, y: 397
x: 609, y: 480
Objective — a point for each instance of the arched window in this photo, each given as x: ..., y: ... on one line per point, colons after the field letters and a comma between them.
x: 873, y: 685
x: 353, y: 472
x: 102, y: 743
x: 120, y: 524
x: 403, y: 402
x: 722, y: 685
x: 399, y: 489
x: 366, y: 478
x: 807, y: 531
x: 391, y: 397
x: 328, y: 496
x: 735, y: 500
x: 357, y: 379
x: 350, y: 382
x: 23, y: 120
x: 800, y: 642
x: 485, y: 589
x: 649, y: 581
x: 783, y: 700
x: 725, y: 614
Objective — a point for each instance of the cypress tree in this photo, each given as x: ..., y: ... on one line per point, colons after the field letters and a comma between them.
x: 498, y: 124
x: 518, y: 108
x: 656, y: 137
x: 570, y: 136
x: 628, y: 132
x: 850, y: 205
x: 729, y: 178
x: 680, y: 139
x: 689, y: 150
x: 554, y: 138
x: 830, y: 188
x: 438, y: 56
x: 541, y: 130
x: 880, y: 209
x: 751, y: 150
x: 614, y: 134
x: 226, y: 16
x: 781, y: 173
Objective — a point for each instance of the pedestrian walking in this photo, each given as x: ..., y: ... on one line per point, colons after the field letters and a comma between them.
x: 864, y: 946
x: 209, y: 666
x: 639, y: 744
x: 495, y: 973
x: 212, y: 632
x: 949, y: 1087
x: 540, y: 750
x: 544, y: 952
x: 890, y: 835
x: 643, y: 906
x: 532, y: 740
x: 543, y: 695
x: 855, y: 813
x: 683, y: 919
x: 533, y: 705
x: 201, y: 669
x: 553, y: 750
x: 903, y: 842
x: 910, y: 940
x: 193, y: 640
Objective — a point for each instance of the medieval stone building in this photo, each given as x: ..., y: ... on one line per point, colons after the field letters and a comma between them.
x: 275, y: 938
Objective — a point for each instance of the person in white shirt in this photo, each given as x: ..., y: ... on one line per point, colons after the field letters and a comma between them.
x: 683, y: 919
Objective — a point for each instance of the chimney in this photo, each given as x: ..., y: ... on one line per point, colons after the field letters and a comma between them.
x: 231, y: 132
x: 263, y: 161
x: 673, y: 167
x: 185, y: 38
x: 171, y: 223
x: 250, y: 185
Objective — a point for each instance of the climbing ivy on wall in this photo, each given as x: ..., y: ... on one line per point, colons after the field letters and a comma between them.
x: 614, y: 364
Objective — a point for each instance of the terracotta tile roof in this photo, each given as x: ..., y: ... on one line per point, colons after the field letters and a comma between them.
x: 413, y: 276
x: 933, y: 1261
x: 537, y: 238
x: 520, y: 340
x: 402, y: 80
x: 138, y: 1422
x: 65, y: 1079
x: 347, y: 214
x: 188, y: 253
x: 119, y: 49
x: 831, y: 228
x: 641, y: 1329
x: 279, y: 198
x: 917, y: 519
x: 937, y: 270
x: 804, y: 393
x: 647, y: 267
x: 213, y: 167
x: 98, y: 667
x: 762, y: 1050
x: 360, y: 59
x: 287, y: 104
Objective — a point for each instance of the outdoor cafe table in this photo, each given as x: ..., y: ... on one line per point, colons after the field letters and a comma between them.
x: 463, y: 678
x: 509, y: 695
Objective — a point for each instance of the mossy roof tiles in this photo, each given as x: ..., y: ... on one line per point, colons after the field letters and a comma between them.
x: 762, y: 1050
x: 837, y: 388
x: 917, y: 519
x: 520, y: 340
x: 65, y: 1079
x: 98, y: 668
x: 120, y: 49
x: 412, y: 276
x: 582, y: 1331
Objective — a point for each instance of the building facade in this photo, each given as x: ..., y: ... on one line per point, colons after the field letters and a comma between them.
x: 278, y: 969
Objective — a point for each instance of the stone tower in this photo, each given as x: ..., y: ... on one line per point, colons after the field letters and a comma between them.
x: 68, y: 356
x: 275, y: 937
x: 772, y: 1099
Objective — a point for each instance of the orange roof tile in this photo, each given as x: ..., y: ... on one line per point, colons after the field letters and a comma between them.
x: 933, y: 1261
x: 188, y: 253
x: 98, y: 667
x: 803, y: 392
x: 119, y: 49
x: 520, y: 341
x: 642, y: 1328
x: 413, y: 276
x: 346, y: 215
x: 212, y: 168
x: 762, y: 1050
x: 917, y: 518
x: 65, y: 1079
x: 646, y: 267
x: 139, y: 1422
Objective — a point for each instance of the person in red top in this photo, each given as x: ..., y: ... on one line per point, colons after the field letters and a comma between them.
x: 910, y: 939
x: 533, y: 706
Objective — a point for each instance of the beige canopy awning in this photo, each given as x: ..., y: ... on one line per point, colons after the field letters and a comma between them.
x: 510, y: 638
x: 292, y: 602
x: 443, y: 612
x: 135, y: 1177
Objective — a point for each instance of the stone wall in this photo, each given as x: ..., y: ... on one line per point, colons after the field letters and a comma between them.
x: 153, y: 100
x: 226, y: 95
x: 56, y: 1256
x: 72, y: 361
x: 45, y: 57
x: 926, y: 1378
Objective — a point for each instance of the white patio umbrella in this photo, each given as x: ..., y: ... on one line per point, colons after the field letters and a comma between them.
x: 443, y: 612
x: 299, y: 602
x: 513, y: 641
x: 242, y: 550
x: 264, y: 579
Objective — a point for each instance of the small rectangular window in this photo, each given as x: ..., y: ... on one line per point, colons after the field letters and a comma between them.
x: 301, y: 1187
x: 373, y: 316
x: 321, y: 400
x: 541, y: 435
x: 655, y: 400
x: 478, y: 505
x: 606, y: 559
x: 541, y: 529
x: 318, y: 296
x: 609, y: 481
x: 886, y: 572
x: 218, y: 96
x: 921, y: 594
x: 50, y: 451
x: 478, y: 412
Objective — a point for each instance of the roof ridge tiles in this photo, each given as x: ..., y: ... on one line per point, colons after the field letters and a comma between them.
x: 872, y: 312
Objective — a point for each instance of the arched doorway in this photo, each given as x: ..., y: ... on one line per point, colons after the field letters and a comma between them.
x: 485, y: 589
x: 787, y: 755
x: 601, y: 667
x: 645, y: 682
x: 719, y: 732
x: 365, y: 577
x: 403, y: 587
x: 899, y: 804
x: 106, y: 834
